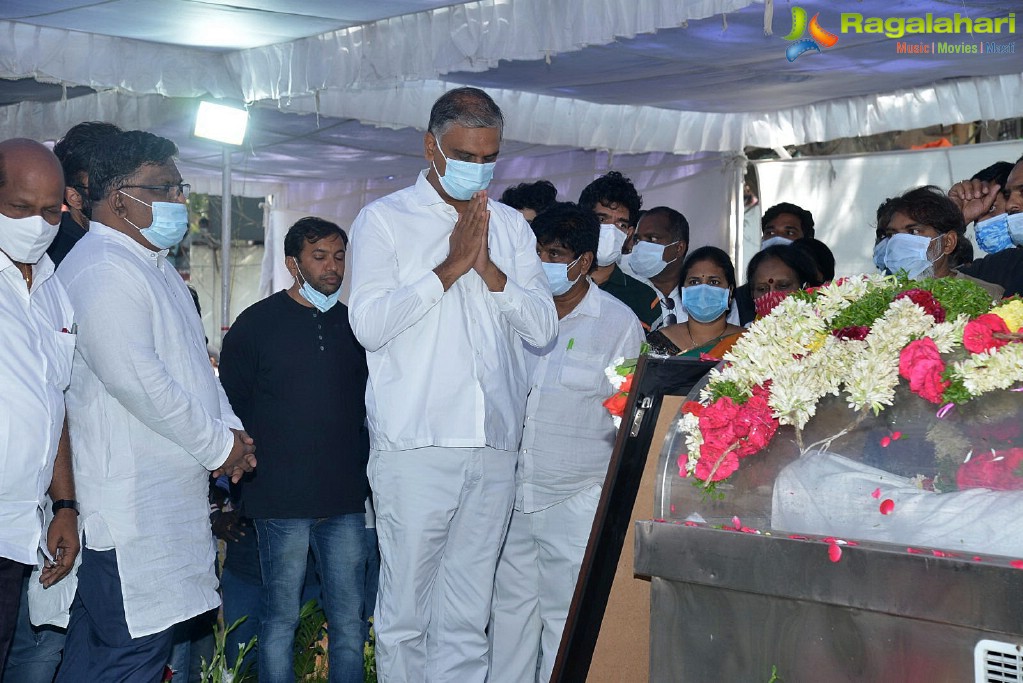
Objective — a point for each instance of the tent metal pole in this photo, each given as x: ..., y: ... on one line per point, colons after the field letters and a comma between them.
x: 225, y: 247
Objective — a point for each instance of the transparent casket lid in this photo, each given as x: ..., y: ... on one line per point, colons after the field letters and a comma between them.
x: 931, y: 480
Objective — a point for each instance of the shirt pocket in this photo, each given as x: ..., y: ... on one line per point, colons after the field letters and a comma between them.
x: 582, y: 371
x: 61, y: 358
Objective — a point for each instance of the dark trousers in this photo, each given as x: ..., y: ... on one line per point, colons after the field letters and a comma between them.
x: 98, y: 645
x: 10, y: 597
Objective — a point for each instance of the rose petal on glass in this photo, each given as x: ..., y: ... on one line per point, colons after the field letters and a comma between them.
x: 896, y: 435
x: 660, y: 520
x: 887, y: 505
x: 913, y: 551
x: 939, y: 553
x: 1016, y: 564
x: 736, y: 523
x: 688, y: 523
x: 885, y: 441
x: 834, y: 552
x: 876, y: 493
x: 797, y: 537
x: 945, y: 409
x: 977, y: 558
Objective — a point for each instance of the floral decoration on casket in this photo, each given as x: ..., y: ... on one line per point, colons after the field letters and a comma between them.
x: 857, y: 338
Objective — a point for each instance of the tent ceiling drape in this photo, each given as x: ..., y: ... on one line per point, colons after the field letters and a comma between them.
x: 671, y: 76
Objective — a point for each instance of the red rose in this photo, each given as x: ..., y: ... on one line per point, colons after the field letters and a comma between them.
x: 921, y: 364
x: 705, y: 466
x: 616, y: 404
x: 692, y: 408
x: 979, y: 333
x: 627, y: 384
x: 992, y: 470
x: 926, y: 301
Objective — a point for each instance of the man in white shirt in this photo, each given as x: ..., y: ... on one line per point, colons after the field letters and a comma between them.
x: 566, y: 447
x: 445, y: 286
x: 37, y: 338
x: 148, y: 421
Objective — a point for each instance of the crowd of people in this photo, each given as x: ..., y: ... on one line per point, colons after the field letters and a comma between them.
x: 446, y: 424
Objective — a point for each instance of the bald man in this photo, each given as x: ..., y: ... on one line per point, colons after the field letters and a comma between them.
x: 38, y: 341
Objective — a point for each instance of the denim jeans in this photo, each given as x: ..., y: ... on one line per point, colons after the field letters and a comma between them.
x: 35, y: 651
x: 338, y: 545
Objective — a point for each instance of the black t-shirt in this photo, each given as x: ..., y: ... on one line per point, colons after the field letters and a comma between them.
x: 297, y: 379
x: 1003, y: 268
x: 68, y: 234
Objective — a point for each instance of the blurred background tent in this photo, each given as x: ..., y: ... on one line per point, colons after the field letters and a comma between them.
x: 677, y: 94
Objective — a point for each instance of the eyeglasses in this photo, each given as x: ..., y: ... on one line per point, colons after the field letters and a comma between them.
x: 172, y: 191
x: 670, y: 318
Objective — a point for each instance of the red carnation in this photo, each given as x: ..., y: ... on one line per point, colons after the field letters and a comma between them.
x: 926, y: 301
x: 857, y: 332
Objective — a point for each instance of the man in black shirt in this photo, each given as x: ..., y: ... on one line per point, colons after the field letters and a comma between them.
x: 296, y: 376
x: 76, y: 151
x: 1005, y: 267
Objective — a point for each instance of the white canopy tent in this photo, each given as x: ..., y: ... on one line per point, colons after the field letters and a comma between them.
x: 668, y: 91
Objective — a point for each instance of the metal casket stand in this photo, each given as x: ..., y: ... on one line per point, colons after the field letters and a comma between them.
x: 729, y: 606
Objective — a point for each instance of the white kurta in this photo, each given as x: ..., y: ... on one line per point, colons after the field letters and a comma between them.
x: 445, y: 368
x: 35, y: 368
x: 148, y: 420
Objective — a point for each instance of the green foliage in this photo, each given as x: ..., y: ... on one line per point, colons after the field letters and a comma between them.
x: 729, y: 389
x: 956, y: 392
x: 312, y: 621
x: 775, y: 678
x: 217, y: 670
x: 867, y: 309
x: 957, y: 295
x: 369, y: 661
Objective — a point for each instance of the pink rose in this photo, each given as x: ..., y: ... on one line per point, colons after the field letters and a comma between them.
x: 921, y: 364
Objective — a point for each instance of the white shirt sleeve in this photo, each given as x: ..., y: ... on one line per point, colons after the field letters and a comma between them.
x: 379, y: 310
x: 526, y: 301
x: 116, y: 341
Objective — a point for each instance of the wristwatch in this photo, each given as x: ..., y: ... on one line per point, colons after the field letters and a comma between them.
x: 64, y: 503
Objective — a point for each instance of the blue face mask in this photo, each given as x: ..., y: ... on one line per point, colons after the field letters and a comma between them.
x: 557, y: 276
x: 1016, y: 228
x: 462, y: 179
x: 993, y: 234
x: 775, y: 240
x: 322, y: 302
x: 705, y: 303
x: 879, y: 250
x: 909, y: 253
x: 647, y: 259
x: 170, y: 223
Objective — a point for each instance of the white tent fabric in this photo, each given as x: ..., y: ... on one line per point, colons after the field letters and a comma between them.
x: 843, y: 192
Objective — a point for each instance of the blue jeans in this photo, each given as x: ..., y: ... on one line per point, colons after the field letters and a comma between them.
x: 338, y: 545
x: 35, y: 651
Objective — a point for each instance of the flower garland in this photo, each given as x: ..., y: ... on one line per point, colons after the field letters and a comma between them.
x: 854, y: 338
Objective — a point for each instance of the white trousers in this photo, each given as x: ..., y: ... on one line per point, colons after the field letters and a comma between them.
x: 441, y: 517
x: 536, y: 577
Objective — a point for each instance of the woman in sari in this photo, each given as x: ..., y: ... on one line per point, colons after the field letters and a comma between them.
x: 708, y: 283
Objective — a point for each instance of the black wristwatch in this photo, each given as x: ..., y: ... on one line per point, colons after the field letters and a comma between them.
x: 64, y: 503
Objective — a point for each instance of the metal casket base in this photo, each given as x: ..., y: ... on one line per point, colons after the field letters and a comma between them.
x: 729, y: 606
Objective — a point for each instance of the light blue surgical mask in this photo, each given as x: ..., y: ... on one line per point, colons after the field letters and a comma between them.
x: 705, y: 303
x: 909, y: 253
x: 557, y: 276
x: 170, y: 223
x: 462, y: 179
x: 993, y: 234
x: 879, y: 250
x: 1016, y: 228
x: 776, y: 240
x: 647, y: 259
x: 322, y: 302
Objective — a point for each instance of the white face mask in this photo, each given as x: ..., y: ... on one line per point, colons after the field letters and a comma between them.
x: 24, y: 240
x: 647, y: 259
x: 609, y: 248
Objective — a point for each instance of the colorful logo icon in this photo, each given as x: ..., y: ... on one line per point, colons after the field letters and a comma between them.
x: 818, y: 36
